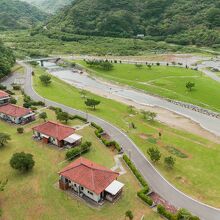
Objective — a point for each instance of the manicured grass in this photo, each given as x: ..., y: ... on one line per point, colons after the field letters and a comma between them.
x: 165, y: 81
x: 35, y: 195
x: 191, y: 175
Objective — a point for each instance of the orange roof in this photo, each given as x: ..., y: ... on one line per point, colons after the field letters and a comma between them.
x: 14, y: 110
x: 89, y: 174
x: 54, y: 130
x: 3, y: 94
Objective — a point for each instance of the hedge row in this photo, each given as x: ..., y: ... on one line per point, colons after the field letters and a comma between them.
x: 181, y: 214
x: 143, y: 195
x: 136, y: 172
x: 107, y: 143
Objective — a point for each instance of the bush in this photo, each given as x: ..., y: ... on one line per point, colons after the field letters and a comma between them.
x: 76, y: 151
x: 13, y: 101
x: 20, y: 130
x: 27, y: 105
x: 33, y: 108
x: 2, y: 87
x: 70, y: 154
x: 97, y: 127
x: 143, y: 195
x: 162, y: 211
x: 16, y: 87
x: 22, y: 161
x: 78, y: 117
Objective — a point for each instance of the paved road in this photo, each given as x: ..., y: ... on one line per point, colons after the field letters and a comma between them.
x: 156, y: 181
x: 83, y: 81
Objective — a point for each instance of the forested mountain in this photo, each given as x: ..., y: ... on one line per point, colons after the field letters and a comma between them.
x: 7, y: 60
x: 15, y: 14
x: 49, y: 6
x: 175, y: 21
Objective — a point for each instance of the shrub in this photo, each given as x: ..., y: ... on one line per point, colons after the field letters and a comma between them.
x: 143, y: 195
x: 27, y: 104
x: 70, y: 154
x: 85, y: 147
x: 100, y: 130
x: 20, y: 130
x: 2, y: 87
x: 162, y: 211
x: 22, y: 161
x: 33, y: 108
x: 13, y: 101
x: 16, y: 87
x: 78, y: 117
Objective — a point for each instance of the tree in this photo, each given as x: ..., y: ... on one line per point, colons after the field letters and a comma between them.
x: 131, y: 109
x: 92, y: 103
x: 43, y: 115
x: 83, y: 93
x: 129, y: 214
x: 190, y: 85
x: 138, y: 65
x: 2, y: 185
x: 154, y: 154
x: 22, y: 161
x: 169, y: 162
x: 63, y: 116
x: 150, y: 116
x: 45, y: 79
x: 149, y: 66
x: 106, y: 65
x: 4, y: 138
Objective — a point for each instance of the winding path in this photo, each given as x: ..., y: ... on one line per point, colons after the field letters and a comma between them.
x: 157, y: 182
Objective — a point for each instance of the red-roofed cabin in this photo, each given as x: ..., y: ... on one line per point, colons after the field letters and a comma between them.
x: 90, y: 180
x: 4, y: 98
x: 16, y: 114
x: 57, y: 134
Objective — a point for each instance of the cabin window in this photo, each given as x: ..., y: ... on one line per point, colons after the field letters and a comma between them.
x: 82, y: 188
x: 90, y: 192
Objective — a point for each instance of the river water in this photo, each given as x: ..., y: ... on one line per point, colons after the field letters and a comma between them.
x: 83, y: 81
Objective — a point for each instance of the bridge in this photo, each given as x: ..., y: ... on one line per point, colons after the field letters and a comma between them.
x: 44, y: 59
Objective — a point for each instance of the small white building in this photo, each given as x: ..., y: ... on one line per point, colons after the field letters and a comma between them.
x: 57, y: 134
x: 88, y: 179
x: 16, y: 114
x: 4, y: 98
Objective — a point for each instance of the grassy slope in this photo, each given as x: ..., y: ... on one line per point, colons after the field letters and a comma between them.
x: 167, y: 82
x: 192, y: 175
x: 35, y: 196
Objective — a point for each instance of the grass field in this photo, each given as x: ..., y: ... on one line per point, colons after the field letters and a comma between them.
x: 35, y: 196
x: 191, y: 175
x: 165, y: 81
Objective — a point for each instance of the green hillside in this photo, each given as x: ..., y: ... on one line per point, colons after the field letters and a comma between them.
x: 49, y: 6
x: 18, y: 15
x: 175, y: 21
x: 7, y: 60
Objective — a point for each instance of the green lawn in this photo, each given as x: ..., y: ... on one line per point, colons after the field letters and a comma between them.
x: 165, y: 81
x: 191, y: 175
x: 35, y: 195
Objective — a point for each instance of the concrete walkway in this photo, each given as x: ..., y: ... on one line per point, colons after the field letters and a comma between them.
x: 118, y: 165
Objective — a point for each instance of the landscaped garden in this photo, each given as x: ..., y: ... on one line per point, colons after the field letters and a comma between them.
x: 166, y: 81
x: 196, y: 159
x: 39, y: 197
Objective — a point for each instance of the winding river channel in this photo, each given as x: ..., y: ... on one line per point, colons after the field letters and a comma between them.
x: 84, y: 81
